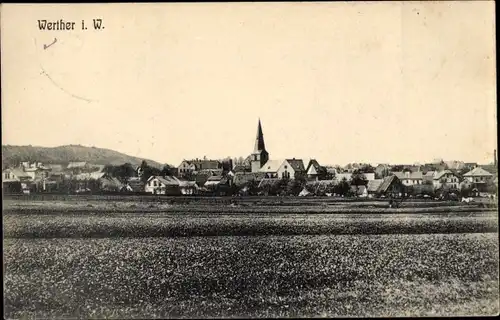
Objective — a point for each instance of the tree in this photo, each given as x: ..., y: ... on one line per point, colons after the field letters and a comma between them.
x: 294, y: 186
x: 358, y: 179
x: 166, y: 171
x: 148, y: 171
x: 342, y: 188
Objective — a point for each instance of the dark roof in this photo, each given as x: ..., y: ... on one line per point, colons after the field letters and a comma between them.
x: 388, y: 181
x: 259, y: 139
x: 313, y: 163
x: 296, y: 164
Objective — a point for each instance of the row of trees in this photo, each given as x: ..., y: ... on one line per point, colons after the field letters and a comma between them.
x: 126, y: 171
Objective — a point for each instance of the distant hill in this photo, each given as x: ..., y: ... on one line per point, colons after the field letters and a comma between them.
x: 12, y: 155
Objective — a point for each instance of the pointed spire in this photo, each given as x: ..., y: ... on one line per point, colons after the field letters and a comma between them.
x: 259, y: 140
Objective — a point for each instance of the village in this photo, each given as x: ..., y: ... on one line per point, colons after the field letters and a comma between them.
x: 258, y: 175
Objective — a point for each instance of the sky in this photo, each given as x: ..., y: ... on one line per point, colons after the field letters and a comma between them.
x: 377, y: 82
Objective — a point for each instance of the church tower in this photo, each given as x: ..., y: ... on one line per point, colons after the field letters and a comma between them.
x: 259, y: 154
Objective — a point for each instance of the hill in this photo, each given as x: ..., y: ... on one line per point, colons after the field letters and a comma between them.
x: 12, y: 155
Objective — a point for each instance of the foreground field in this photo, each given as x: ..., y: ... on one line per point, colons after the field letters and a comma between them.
x: 155, y: 259
x: 144, y: 225
x: 284, y: 276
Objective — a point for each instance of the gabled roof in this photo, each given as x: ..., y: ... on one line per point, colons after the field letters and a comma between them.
x: 18, y: 173
x: 387, y: 182
x: 313, y: 164
x: 417, y: 175
x: 478, y: 172
x: 296, y: 164
x: 374, y: 185
x: 271, y: 166
x: 438, y: 175
x: 169, y: 180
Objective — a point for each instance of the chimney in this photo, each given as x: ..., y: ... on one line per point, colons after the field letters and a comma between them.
x: 495, y: 157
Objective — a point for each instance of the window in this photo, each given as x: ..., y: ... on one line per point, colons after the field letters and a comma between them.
x: 286, y: 167
x: 155, y: 183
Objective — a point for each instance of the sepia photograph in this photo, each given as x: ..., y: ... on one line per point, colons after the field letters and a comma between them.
x: 249, y: 160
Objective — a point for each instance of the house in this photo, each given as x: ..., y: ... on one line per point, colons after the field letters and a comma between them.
x: 373, y: 186
x: 291, y: 169
x: 170, y: 185
x: 314, y: 170
x: 390, y: 186
x: 478, y: 175
x: 409, y: 178
x: 218, y: 184
x: 15, y: 175
x: 192, y: 166
x: 213, y: 182
x: 270, y: 168
x: 188, y: 187
x: 445, y: 179
x: 359, y: 191
x: 491, y: 168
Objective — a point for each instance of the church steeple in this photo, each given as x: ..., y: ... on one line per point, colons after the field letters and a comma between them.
x: 259, y: 140
x: 259, y: 155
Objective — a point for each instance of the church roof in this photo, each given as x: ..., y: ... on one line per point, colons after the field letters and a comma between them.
x: 259, y: 140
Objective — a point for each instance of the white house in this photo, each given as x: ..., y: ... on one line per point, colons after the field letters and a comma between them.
x: 270, y: 168
x: 169, y: 185
x: 15, y: 175
x: 445, y: 178
x: 478, y: 175
x: 291, y: 169
x: 410, y: 178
